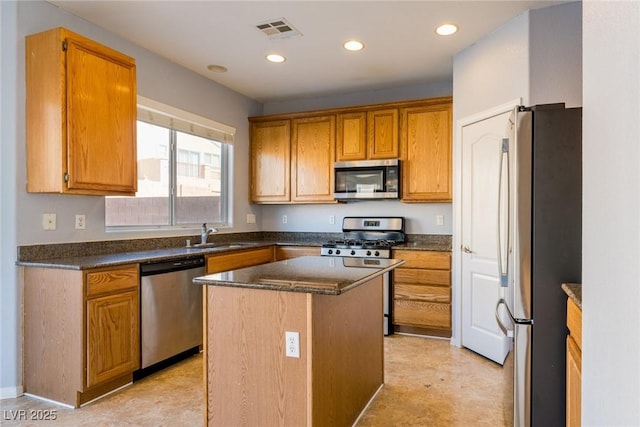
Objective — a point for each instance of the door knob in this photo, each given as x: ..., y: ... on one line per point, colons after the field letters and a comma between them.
x: 466, y: 249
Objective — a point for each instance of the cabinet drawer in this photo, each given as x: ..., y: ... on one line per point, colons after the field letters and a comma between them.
x: 439, y: 294
x: 425, y: 277
x: 288, y: 252
x: 112, y: 280
x: 235, y: 260
x: 421, y: 313
x: 424, y: 259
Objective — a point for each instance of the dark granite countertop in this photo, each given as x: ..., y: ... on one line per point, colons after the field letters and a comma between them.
x: 108, y: 260
x: 574, y: 291
x: 309, y: 274
x: 87, y: 255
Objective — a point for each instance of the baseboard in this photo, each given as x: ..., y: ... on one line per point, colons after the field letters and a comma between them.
x: 10, y: 392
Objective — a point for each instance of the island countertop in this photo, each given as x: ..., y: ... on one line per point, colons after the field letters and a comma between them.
x: 309, y: 274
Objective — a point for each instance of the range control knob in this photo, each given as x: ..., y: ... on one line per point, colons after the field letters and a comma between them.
x: 337, y: 251
x: 353, y: 252
x: 330, y: 251
x: 377, y: 253
x: 368, y: 253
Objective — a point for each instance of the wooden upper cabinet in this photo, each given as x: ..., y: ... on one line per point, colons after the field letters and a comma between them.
x: 80, y: 116
x: 367, y: 135
x: 270, y: 161
x: 293, y: 154
x: 382, y: 134
x: 313, y: 143
x: 351, y: 139
x: 425, y: 143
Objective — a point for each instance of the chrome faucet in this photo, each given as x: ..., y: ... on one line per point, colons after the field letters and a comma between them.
x: 204, y: 234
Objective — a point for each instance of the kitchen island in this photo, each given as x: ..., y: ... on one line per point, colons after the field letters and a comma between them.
x: 335, y: 307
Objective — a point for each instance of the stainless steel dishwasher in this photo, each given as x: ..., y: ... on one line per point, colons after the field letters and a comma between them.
x: 170, y: 308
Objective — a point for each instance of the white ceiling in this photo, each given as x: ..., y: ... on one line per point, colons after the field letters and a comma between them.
x: 401, y: 46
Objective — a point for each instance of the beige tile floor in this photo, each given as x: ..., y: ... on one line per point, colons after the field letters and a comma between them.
x: 427, y: 383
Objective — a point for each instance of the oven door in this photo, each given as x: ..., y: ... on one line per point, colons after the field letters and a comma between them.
x: 387, y: 293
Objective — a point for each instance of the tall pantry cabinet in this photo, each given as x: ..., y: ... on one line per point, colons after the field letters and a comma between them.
x: 80, y: 116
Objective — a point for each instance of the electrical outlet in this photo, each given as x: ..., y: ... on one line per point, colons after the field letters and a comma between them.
x: 332, y: 219
x: 292, y: 344
x: 251, y: 219
x: 284, y: 219
x: 48, y: 221
x: 81, y: 223
x: 440, y: 219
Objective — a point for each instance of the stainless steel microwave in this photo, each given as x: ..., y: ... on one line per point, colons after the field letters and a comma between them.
x: 367, y: 179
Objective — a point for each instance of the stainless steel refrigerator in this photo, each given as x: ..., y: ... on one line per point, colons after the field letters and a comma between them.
x: 540, y: 247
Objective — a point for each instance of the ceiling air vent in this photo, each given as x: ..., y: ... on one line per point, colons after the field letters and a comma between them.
x: 278, y: 29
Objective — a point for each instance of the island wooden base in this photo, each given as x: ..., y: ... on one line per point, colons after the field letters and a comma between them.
x: 250, y: 382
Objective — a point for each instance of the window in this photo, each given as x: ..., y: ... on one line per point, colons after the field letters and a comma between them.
x: 182, y: 172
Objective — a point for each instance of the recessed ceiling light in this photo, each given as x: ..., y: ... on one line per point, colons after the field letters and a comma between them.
x: 446, y: 29
x: 274, y: 57
x: 217, y: 68
x: 353, y: 45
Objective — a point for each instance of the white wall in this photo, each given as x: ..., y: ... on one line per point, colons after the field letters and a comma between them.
x: 555, y: 51
x: 611, y: 214
x: 360, y: 98
x: 492, y: 71
x: 10, y: 294
x: 420, y: 217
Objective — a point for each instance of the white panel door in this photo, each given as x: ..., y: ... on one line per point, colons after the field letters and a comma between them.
x: 481, y: 151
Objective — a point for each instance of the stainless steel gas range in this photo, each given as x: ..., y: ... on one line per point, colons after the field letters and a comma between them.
x: 366, y: 239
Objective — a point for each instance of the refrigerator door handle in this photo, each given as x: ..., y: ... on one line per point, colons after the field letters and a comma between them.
x: 506, y: 331
x: 503, y: 268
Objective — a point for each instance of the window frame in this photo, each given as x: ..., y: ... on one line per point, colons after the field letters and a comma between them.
x: 176, y: 120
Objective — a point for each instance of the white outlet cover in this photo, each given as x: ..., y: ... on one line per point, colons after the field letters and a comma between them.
x: 292, y: 344
x: 81, y: 222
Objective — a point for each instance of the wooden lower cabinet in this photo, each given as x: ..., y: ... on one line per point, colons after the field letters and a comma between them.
x: 81, y: 331
x: 239, y: 259
x: 422, y: 293
x: 112, y: 336
x: 574, y: 365
x: 288, y: 252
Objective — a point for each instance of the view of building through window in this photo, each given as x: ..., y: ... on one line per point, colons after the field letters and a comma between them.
x: 180, y: 181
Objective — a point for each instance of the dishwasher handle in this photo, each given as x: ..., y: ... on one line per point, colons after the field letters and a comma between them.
x: 167, y: 266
